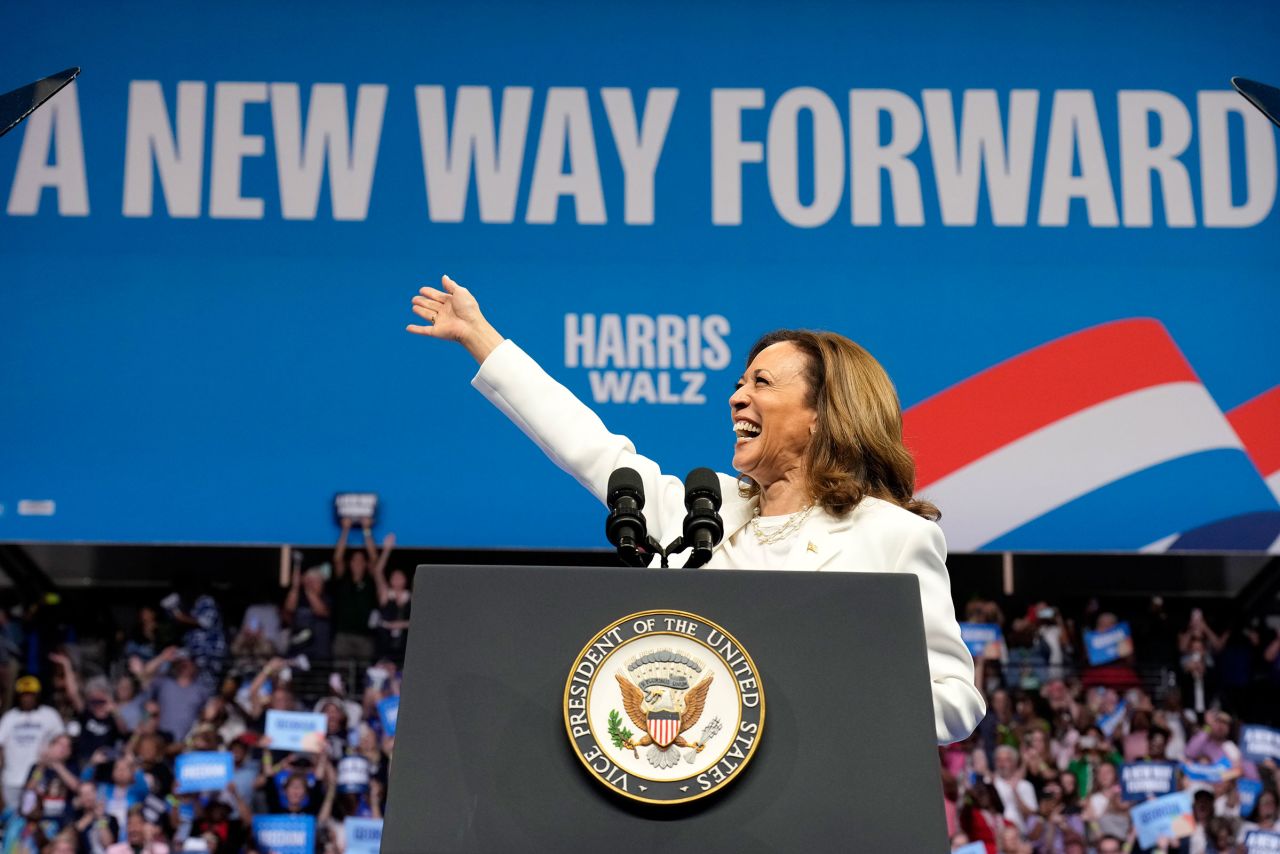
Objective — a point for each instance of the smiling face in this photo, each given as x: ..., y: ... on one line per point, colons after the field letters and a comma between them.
x: 295, y: 792
x: 772, y: 416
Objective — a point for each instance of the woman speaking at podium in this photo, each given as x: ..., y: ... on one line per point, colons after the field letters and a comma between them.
x: 826, y: 483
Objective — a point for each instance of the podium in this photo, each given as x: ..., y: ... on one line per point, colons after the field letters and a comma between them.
x: 845, y: 760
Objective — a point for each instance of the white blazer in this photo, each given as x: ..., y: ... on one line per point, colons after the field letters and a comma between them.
x: 877, y: 536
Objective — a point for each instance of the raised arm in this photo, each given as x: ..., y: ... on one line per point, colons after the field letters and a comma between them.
x: 370, y: 550
x: 291, y: 598
x: 330, y: 778
x: 340, y: 550
x: 152, y: 667
x: 380, y: 567
x: 565, y: 428
x: 257, y: 700
x: 315, y: 597
x: 72, y: 680
x: 242, y: 804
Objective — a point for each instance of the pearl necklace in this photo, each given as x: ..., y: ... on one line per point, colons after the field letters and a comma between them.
x: 768, y: 536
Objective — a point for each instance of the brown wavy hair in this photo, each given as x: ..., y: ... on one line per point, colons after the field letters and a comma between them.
x: 856, y: 449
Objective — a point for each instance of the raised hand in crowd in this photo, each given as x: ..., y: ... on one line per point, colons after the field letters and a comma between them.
x: 329, y: 777
x: 258, y: 699
x: 1198, y: 630
x: 340, y: 550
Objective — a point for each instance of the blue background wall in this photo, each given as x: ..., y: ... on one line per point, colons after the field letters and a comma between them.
x: 217, y: 380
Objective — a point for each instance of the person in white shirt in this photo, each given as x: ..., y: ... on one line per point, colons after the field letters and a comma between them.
x: 24, y: 731
x: 1016, y: 792
x: 825, y: 480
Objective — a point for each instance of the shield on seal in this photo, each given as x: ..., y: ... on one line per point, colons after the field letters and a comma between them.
x: 663, y: 727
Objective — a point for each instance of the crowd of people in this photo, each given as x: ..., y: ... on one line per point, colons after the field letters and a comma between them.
x: 1042, y: 773
x: 94, y: 733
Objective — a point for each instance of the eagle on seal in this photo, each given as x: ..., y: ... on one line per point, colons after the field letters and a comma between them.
x: 658, y: 699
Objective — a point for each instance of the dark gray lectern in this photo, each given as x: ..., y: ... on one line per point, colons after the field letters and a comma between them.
x: 846, y: 760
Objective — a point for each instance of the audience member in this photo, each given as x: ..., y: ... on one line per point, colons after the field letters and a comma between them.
x: 307, y: 611
x: 356, y: 593
x: 393, y: 616
x: 179, y: 694
x: 25, y: 730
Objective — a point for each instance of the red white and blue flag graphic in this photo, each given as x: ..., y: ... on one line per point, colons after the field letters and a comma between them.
x: 664, y: 727
x: 1105, y: 439
x: 1257, y: 422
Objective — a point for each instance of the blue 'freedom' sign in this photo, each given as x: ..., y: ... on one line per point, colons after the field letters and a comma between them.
x: 296, y: 730
x: 1109, y: 645
x: 285, y: 834
x: 364, y: 835
x: 203, y: 771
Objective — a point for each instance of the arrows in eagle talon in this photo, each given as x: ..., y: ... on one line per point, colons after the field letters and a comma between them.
x: 708, y: 733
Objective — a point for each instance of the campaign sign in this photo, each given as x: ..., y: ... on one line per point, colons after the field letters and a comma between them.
x: 1110, y: 645
x: 1260, y: 743
x: 971, y: 848
x: 285, y: 834
x: 296, y: 730
x: 1108, y: 723
x: 203, y: 771
x: 1261, y: 842
x: 1204, y: 772
x: 353, y: 774
x: 388, y: 712
x: 976, y: 636
x: 1143, y: 780
x: 355, y: 505
x: 364, y: 835
x: 1168, y: 816
x: 1249, y: 791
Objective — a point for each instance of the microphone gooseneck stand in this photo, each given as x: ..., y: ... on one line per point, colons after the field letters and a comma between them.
x: 627, y: 529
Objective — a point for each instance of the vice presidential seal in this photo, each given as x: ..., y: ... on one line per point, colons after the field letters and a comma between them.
x: 664, y: 707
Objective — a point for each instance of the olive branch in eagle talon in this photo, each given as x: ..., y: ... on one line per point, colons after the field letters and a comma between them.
x: 620, y: 735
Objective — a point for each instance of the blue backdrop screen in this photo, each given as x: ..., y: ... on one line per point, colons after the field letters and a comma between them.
x: 1053, y: 223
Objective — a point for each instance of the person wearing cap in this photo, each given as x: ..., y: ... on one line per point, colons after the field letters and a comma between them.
x: 24, y: 731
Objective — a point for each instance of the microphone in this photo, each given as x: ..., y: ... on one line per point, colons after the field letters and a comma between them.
x: 703, y: 528
x: 625, y: 527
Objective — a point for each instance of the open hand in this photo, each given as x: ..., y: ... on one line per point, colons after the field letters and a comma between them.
x: 453, y: 313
